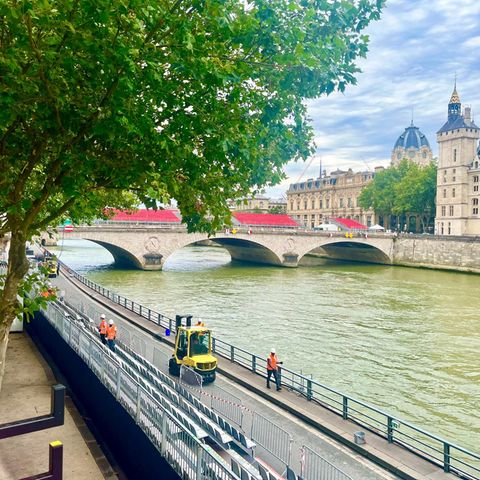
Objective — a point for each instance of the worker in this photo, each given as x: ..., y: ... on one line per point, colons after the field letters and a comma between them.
x: 111, y: 335
x: 200, y: 323
x: 272, y: 369
x: 102, y: 328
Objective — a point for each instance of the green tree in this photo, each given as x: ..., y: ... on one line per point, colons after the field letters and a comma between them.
x: 379, y: 194
x: 113, y: 102
x: 404, y: 189
x: 416, y: 192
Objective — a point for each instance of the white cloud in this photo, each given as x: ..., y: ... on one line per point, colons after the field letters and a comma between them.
x: 415, y: 50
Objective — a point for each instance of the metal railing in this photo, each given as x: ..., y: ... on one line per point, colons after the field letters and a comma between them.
x: 451, y: 457
x: 314, y: 467
x: 189, y: 457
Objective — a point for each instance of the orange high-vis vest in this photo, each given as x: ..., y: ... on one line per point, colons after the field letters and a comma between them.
x: 272, y: 362
x: 111, y: 332
x: 103, y: 327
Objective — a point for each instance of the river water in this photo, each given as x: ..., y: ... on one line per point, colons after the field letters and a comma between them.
x: 406, y: 340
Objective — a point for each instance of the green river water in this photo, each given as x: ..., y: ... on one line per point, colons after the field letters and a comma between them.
x: 406, y: 340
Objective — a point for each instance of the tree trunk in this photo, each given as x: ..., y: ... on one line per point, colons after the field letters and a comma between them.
x: 16, y: 270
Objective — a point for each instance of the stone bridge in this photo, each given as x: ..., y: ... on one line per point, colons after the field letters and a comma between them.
x: 148, y: 247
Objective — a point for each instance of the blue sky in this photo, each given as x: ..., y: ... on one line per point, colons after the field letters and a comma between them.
x: 415, y: 49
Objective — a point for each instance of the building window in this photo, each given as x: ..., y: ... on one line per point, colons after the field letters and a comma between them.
x: 349, y: 202
x: 444, y: 193
x: 454, y: 171
x: 305, y: 204
x: 341, y: 203
x: 441, y: 228
x: 327, y: 203
x: 450, y: 210
x: 313, y: 204
x: 444, y: 179
x: 453, y: 179
x: 475, y: 210
x: 475, y: 179
x: 454, y: 154
x: 449, y: 228
x: 475, y: 201
x: 321, y: 204
x: 444, y: 210
x: 453, y: 192
x: 291, y: 205
x: 475, y: 188
x: 298, y: 204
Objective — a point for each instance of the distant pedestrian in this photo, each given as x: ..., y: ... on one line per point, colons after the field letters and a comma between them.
x: 102, y: 328
x: 111, y: 335
x: 272, y: 369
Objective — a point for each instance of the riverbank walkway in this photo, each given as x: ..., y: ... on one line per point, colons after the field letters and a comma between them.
x: 308, y: 422
x: 26, y: 393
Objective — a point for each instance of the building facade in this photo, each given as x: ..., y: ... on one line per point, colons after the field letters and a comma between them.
x: 260, y: 204
x: 413, y: 145
x: 314, y: 202
x: 458, y: 195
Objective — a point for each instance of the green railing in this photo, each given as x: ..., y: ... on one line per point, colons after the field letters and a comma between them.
x: 449, y: 456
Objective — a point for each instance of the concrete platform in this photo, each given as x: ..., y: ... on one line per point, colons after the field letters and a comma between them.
x: 26, y: 393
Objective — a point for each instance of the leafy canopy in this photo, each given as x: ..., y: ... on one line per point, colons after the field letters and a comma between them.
x: 112, y: 102
x: 407, y: 188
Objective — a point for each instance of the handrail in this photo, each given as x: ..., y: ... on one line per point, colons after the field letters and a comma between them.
x: 53, y: 419
x: 55, y: 463
x: 387, y: 425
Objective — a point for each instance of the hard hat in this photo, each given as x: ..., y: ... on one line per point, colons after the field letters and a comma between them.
x: 102, y: 315
x: 272, y: 350
x: 110, y: 322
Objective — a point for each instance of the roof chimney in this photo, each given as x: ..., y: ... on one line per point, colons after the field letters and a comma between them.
x: 467, y: 113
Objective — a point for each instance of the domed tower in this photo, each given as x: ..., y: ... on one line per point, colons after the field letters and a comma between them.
x: 458, y: 176
x: 412, y: 144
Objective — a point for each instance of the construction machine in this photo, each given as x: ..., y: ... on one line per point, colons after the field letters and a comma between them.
x: 193, y: 348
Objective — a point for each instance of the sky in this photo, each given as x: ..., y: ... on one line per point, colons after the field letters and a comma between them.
x: 415, y: 50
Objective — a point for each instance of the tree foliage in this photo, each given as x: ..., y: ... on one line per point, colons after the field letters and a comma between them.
x: 404, y: 189
x: 115, y: 102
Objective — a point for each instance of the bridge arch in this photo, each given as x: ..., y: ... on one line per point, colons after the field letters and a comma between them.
x: 240, y: 249
x: 122, y: 257
x: 354, y: 250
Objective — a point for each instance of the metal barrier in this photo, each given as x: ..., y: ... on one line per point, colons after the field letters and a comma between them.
x: 315, y: 467
x: 451, y: 457
x: 228, y: 405
x: 185, y: 453
x: 190, y: 377
x: 272, y: 438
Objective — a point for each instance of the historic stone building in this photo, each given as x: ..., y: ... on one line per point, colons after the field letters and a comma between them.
x: 314, y: 202
x: 458, y: 173
x: 260, y: 204
x: 413, y: 145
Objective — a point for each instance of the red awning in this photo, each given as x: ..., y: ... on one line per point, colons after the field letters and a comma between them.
x: 265, y: 219
x: 160, y: 216
x: 349, y: 223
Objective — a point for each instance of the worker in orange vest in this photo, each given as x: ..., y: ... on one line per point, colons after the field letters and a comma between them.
x: 102, y: 328
x: 272, y: 369
x: 200, y: 323
x: 111, y: 335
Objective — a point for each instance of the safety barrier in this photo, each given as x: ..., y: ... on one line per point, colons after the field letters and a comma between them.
x: 272, y: 438
x: 451, y: 457
x: 314, y: 467
x: 228, y: 405
x: 184, y: 452
x: 190, y: 377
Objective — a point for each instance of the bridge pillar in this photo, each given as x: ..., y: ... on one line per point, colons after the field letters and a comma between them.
x: 152, y: 261
x: 290, y: 260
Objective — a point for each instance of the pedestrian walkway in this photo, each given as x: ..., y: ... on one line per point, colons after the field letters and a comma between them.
x: 26, y: 393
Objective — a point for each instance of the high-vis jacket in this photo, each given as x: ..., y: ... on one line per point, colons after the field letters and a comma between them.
x: 102, y: 328
x: 272, y: 362
x: 111, y: 332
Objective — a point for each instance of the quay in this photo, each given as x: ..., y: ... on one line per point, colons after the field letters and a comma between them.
x: 310, y: 423
x: 25, y: 394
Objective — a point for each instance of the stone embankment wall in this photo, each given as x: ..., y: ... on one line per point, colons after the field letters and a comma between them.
x: 442, y: 252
